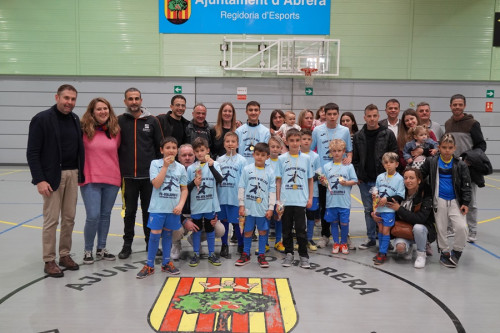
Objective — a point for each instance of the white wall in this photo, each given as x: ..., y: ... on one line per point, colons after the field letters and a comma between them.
x: 22, y: 97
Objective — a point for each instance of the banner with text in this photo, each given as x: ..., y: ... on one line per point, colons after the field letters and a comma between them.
x: 276, y: 17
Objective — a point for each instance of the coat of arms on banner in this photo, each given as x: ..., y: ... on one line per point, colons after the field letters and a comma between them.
x: 177, y: 11
x: 188, y: 304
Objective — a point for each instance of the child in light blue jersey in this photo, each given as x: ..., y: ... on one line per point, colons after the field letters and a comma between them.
x: 231, y: 166
x: 294, y: 190
x: 252, y: 132
x: 305, y: 148
x: 169, y: 195
x: 203, y: 176
x: 389, y: 186
x: 275, y: 147
x: 341, y: 178
x: 257, y: 196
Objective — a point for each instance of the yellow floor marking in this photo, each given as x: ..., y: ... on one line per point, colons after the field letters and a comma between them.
x: 163, y: 302
x: 489, y: 220
x: 74, y: 231
x: 188, y: 320
x: 256, y: 320
x: 286, y: 302
x: 357, y: 199
x: 491, y: 178
x: 11, y: 172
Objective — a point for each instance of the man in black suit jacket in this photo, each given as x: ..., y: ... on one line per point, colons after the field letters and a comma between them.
x: 55, y: 156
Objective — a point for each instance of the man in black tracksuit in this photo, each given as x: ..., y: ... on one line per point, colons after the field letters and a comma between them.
x: 140, y: 144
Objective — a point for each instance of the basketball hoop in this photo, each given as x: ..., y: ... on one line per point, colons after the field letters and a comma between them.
x: 308, y: 71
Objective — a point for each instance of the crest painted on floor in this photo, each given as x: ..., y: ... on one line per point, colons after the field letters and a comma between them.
x: 188, y: 304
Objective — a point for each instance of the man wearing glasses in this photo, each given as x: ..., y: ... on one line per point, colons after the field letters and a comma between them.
x: 173, y: 123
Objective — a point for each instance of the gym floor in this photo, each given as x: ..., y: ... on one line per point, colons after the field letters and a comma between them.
x: 339, y: 293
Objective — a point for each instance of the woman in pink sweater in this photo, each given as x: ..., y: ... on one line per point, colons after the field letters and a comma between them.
x: 101, y: 139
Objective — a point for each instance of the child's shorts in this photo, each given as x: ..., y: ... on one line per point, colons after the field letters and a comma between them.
x: 158, y: 221
x: 387, y: 219
x: 261, y: 222
x: 229, y: 213
x: 315, y: 205
x: 207, y: 216
x: 337, y: 214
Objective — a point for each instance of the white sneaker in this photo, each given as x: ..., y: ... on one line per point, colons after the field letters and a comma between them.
x: 420, y: 261
x: 304, y: 263
x: 323, y: 242
x: 175, y: 252
x: 288, y: 260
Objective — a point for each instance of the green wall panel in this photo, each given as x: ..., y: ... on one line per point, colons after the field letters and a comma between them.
x: 383, y: 39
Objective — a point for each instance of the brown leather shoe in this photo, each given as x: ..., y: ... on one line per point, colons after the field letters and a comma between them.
x: 52, y: 269
x: 67, y: 262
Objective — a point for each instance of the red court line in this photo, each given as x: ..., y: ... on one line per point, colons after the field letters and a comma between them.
x: 240, y: 321
x: 173, y: 316
x: 206, y: 322
x: 274, y: 318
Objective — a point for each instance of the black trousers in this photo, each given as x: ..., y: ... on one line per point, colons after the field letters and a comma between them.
x: 132, y: 190
x: 295, y: 216
x: 325, y: 226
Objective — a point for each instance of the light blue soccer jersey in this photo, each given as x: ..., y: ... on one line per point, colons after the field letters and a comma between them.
x: 258, y: 183
x: 231, y: 168
x: 204, y: 198
x: 273, y: 164
x: 316, y: 167
x: 248, y: 137
x: 340, y: 196
x: 165, y: 198
x: 294, y: 172
x: 389, y: 186
x: 322, y: 136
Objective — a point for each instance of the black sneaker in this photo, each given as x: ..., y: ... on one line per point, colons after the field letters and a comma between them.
x: 87, y: 258
x: 262, y: 261
x: 125, y: 252
x: 380, y: 259
x: 234, y: 239
x: 244, y: 259
x: 224, y: 250
x: 445, y: 260
x: 195, y: 260
x: 455, y: 257
x: 103, y: 254
x: 214, y: 260
x: 367, y: 245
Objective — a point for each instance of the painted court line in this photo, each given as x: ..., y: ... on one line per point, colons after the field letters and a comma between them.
x: 485, y: 250
x: 20, y: 224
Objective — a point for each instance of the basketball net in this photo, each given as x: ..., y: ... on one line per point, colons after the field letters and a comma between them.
x: 308, y: 75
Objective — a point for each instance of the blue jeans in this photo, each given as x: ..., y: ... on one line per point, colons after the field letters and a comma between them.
x: 99, y: 200
x: 366, y: 198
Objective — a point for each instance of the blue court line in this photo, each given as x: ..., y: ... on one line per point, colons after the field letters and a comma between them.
x: 20, y: 224
x: 487, y: 251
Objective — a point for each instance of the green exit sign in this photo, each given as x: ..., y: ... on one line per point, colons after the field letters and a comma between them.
x: 309, y: 91
x: 177, y: 89
x: 490, y: 93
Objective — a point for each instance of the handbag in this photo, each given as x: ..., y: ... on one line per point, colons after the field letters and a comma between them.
x: 402, y: 229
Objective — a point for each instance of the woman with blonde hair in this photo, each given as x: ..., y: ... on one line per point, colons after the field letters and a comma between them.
x: 101, y: 139
x: 226, y: 122
x: 306, y: 118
